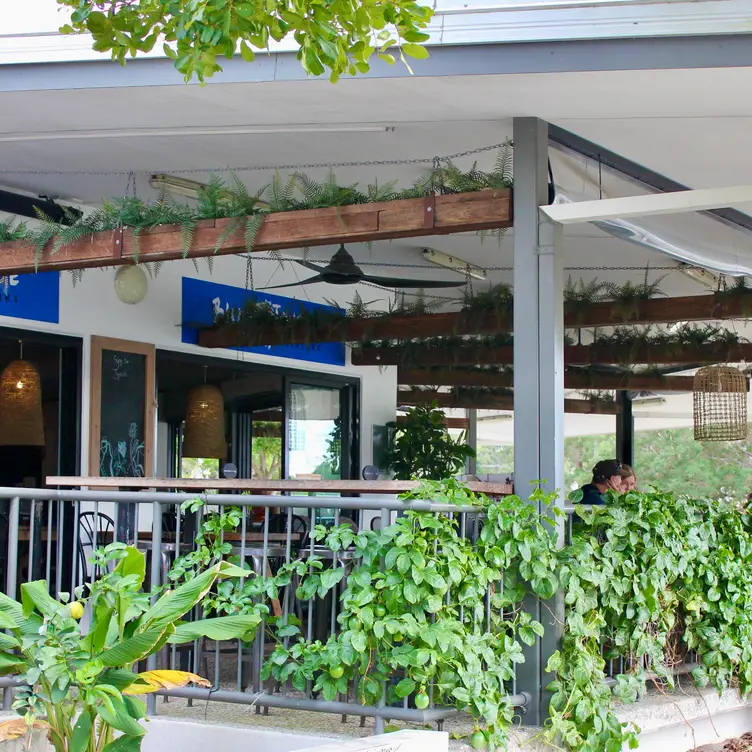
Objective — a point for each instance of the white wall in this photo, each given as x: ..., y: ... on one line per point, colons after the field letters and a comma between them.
x: 92, y: 308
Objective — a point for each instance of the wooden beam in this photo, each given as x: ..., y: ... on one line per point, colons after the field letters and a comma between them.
x: 461, y: 423
x: 260, y: 486
x: 480, y: 355
x: 433, y: 215
x: 459, y: 323
x: 490, y: 401
x: 572, y: 380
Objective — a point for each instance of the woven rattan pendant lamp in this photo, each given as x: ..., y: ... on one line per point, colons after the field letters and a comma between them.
x: 21, y: 417
x: 720, y: 404
x: 204, y: 432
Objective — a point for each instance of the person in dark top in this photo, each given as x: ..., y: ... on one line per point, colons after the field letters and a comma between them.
x: 607, y: 476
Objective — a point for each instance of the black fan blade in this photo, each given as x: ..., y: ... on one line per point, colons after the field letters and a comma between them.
x: 309, y: 265
x: 309, y: 281
x: 411, y: 283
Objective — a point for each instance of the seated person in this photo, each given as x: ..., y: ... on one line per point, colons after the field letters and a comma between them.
x: 628, y: 479
x: 606, y: 477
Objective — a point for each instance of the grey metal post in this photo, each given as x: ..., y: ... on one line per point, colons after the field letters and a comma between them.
x: 156, y: 580
x: 11, y: 574
x: 624, y: 428
x: 538, y: 371
x: 472, y: 440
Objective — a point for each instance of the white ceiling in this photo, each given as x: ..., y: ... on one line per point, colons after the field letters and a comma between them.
x: 691, y: 125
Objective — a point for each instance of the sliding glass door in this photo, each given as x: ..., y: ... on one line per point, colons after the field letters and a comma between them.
x: 321, y: 435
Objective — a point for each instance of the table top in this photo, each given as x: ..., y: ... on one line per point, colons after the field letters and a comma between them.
x: 388, y: 487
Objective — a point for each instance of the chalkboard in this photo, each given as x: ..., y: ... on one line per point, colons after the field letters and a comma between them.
x: 122, y: 419
x: 122, y: 409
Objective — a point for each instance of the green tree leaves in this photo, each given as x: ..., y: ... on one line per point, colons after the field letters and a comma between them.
x: 339, y: 38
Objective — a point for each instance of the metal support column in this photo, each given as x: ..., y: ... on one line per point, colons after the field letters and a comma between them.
x: 472, y: 440
x: 625, y: 428
x: 538, y: 373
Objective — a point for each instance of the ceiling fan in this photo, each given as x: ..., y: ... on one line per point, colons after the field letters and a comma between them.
x: 342, y: 270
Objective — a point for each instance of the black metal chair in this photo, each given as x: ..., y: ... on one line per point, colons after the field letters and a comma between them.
x: 298, y: 526
x: 95, y: 529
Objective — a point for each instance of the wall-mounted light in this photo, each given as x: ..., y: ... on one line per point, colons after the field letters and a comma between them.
x: 454, y: 263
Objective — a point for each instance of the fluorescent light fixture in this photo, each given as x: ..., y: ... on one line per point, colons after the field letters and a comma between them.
x: 454, y: 263
x: 183, y: 187
x: 172, y: 132
x: 703, y: 276
x: 178, y: 186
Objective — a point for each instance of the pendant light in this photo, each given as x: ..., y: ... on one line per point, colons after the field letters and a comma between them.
x: 204, y: 432
x: 720, y: 404
x: 21, y: 418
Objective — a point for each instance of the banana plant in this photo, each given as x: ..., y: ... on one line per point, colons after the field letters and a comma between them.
x: 79, y: 683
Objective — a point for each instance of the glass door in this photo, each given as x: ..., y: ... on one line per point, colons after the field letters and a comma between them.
x: 317, y: 447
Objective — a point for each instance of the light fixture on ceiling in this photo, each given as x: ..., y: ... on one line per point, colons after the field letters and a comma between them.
x: 708, y: 279
x: 172, y: 132
x: 204, y: 431
x: 454, y: 263
x: 21, y: 416
x: 131, y: 284
x: 176, y: 186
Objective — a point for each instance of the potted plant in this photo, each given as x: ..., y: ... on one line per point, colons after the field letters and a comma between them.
x: 80, y: 684
x: 422, y: 447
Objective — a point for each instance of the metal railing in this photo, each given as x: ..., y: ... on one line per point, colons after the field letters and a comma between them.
x: 52, y: 533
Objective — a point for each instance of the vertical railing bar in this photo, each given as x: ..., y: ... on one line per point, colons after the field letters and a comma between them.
x: 178, y: 513
x: 378, y: 721
x: 311, y: 601
x: 11, y: 575
x: 156, y: 578
x: 94, y: 543
x: 243, y: 531
x: 32, y: 521
x: 335, y: 563
x: 220, y: 512
x: 264, y: 564
x: 59, y: 548
x: 287, y: 598
x: 76, y: 544
x: 48, y: 560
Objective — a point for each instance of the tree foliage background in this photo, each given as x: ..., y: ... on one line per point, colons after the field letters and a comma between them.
x: 670, y: 459
x: 338, y: 37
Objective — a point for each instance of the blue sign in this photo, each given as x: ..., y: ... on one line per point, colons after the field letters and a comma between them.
x: 31, y: 296
x: 202, y: 300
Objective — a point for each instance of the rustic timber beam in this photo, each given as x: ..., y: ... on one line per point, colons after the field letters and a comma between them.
x: 461, y: 423
x: 479, y: 355
x: 458, y: 323
x: 432, y: 215
x: 572, y: 380
x: 399, y: 326
x: 481, y: 401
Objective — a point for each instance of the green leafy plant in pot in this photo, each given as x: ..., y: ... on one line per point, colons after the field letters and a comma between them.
x: 80, y: 684
x: 422, y: 447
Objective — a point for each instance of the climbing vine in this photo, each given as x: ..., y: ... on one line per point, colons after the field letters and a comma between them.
x: 432, y: 608
x: 648, y: 579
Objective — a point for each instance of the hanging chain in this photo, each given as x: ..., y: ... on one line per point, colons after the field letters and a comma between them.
x: 249, y: 272
x: 130, y: 186
x: 263, y: 168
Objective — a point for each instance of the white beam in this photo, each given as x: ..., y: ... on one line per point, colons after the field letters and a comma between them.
x: 677, y: 202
